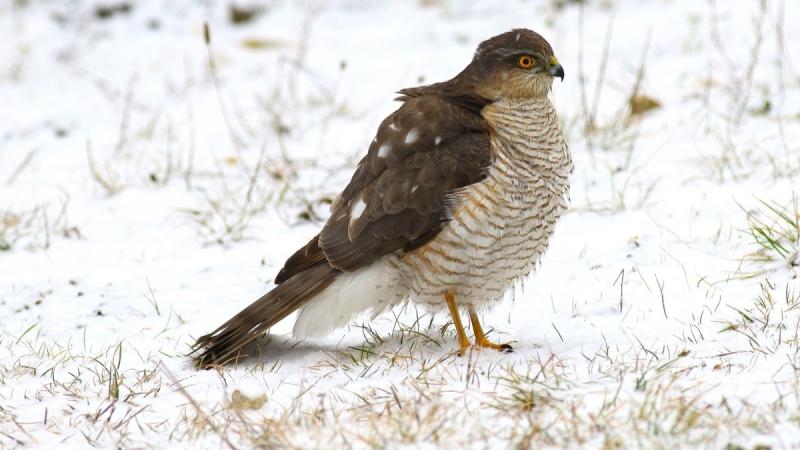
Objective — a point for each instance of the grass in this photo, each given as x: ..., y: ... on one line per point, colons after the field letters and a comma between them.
x: 34, y: 228
x: 770, y: 323
x: 409, y: 388
x: 657, y: 366
x: 774, y: 229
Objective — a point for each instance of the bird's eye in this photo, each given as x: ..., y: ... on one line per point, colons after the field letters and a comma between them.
x: 525, y: 61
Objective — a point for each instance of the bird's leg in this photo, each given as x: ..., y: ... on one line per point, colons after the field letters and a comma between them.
x: 463, y: 342
x: 480, y: 337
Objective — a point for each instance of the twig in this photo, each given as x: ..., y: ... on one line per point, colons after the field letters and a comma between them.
x: 602, y: 71
x: 110, y: 187
x: 744, y: 93
x: 212, y: 66
x: 640, y: 73
x: 127, y: 101
x: 621, y: 279
x: 581, y: 74
x: 22, y: 165
x: 661, y: 291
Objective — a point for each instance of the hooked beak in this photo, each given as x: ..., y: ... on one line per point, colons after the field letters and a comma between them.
x: 555, y: 69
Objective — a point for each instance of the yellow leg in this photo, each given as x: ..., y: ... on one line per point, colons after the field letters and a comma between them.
x: 480, y: 337
x: 463, y: 342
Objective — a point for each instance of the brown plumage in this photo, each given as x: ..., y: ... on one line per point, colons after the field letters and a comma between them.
x: 425, y: 159
x: 222, y: 345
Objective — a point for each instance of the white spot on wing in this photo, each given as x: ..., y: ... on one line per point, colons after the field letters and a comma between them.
x: 517, y: 37
x: 414, y: 188
x: 412, y: 136
x: 358, y: 209
x: 437, y: 140
x: 384, y: 150
x: 393, y: 127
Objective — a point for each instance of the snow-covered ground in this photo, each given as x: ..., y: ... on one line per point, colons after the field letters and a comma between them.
x: 152, y: 185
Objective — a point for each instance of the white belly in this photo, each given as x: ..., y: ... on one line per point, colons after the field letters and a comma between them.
x: 372, y: 287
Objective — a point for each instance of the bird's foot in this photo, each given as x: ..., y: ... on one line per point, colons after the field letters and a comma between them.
x: 486, y: 343
x: 480, y: 336
x: 463, y: 344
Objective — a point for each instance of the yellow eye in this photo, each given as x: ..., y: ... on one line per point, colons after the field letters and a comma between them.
x: 525, y: 61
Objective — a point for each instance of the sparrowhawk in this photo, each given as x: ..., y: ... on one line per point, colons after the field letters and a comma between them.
x: 454, y: 202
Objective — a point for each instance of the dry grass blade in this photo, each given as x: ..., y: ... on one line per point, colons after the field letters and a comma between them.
x: 175, y: 382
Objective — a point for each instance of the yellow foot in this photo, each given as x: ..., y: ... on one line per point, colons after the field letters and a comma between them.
x: 505, y: 348
x: 463, y: 342
x: 480, y: 336
x: 463, y: 350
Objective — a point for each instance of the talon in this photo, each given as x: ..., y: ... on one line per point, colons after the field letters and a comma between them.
x: 480, y: 336
x: 504, y: 348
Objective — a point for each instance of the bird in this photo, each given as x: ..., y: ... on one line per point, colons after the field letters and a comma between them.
x: 454, y: 203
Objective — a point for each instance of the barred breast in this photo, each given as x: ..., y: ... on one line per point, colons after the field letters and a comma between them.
x: 500, y: 226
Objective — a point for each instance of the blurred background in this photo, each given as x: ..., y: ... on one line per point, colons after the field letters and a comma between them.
x: 160, y: 160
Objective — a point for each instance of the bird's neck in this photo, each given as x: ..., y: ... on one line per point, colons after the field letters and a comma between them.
x: 527, y: 132
x: 533, y: 118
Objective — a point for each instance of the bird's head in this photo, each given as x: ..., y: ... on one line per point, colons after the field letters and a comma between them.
x: 518, y: 64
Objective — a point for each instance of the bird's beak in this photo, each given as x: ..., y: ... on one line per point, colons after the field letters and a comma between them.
x: 555, y: 69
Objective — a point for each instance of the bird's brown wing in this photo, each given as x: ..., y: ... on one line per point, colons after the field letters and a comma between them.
x: 400, y: 195
x: 398, y: 198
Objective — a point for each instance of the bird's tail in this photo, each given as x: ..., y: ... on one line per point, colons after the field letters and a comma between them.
x: 224, y: 344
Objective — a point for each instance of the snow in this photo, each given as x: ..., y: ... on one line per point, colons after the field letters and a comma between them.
x: 146, y: 197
